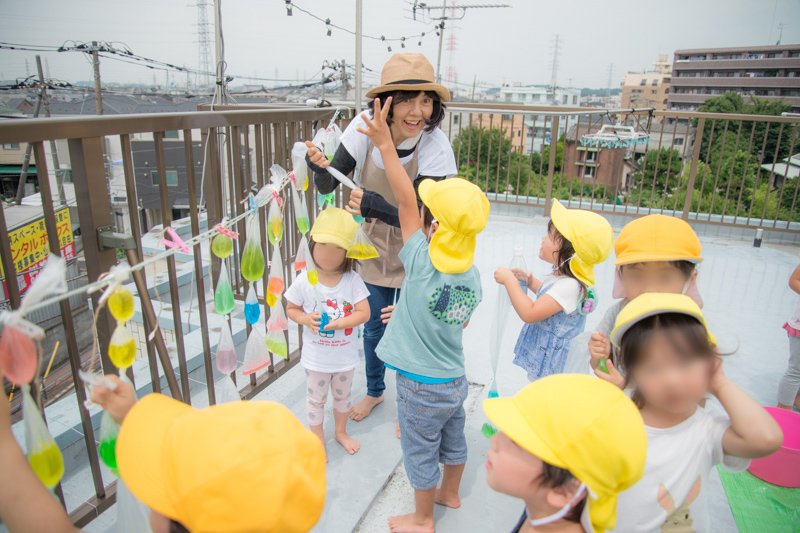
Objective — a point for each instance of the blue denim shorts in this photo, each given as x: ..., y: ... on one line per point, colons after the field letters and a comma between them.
x: 431, y: 428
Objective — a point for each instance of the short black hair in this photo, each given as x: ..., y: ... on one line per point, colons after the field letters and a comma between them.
x: 555, y: 477
x: 401, y: 96
x: 686, y: 267
x: 349, y: 264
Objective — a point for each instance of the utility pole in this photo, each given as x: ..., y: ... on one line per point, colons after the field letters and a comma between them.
x: 23, y: 175
x: 344, y: 80
x: 474, y: 83
x: 219, y: 54
x: 456, y: 13
x: 359, y: 17
x: 98, y: 97
x: 53, y: 149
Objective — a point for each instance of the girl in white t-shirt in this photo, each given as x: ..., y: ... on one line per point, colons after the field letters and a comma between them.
x: 576, y: 240
x: 672, y: 363
x: 330, y: 312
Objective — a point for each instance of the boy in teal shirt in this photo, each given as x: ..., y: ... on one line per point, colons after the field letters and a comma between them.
x: 423, y: 340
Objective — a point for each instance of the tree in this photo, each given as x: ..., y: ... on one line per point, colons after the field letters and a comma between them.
x: 661, y: 167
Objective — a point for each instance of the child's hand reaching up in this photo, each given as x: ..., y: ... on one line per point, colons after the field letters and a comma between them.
x: 377, y: 129
x: 600, y: 360
x: 504, y: 275
x: 116, y: 402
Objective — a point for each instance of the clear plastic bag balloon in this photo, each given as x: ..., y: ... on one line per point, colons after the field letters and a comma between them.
x: 325, y: 199
x: 300, y: 260
x: 107, y: 449
x: 256, y: 356
x: 18, y: 355
x: 222, y: 246
x: 224, y: 301
x: 300, y: 213
x: 277, y: 281
x: 120, y: 304
x: 362, y: 248
x: 253, y: 262
x: 226, y: 391
x: 122, y: 347
x: 277, y: 319
x: 276, y: 344
x: 274, y: 223
x: 252, y: 311
x: 43, y: 455
x: 226, y: 351
x: 299, y: 166
x: 328, y: 140
x: 132, y: 515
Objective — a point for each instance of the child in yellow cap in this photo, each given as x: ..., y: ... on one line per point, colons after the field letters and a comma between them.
x: 339, y: 299
x: 423, y: 341
x: 237, y: 467
x: 671, y: 363
x: 654, y: 253
x: 567, y: 460
x: 575, y: 241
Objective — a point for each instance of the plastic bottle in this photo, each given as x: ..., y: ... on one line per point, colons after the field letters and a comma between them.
x: 518, y: 261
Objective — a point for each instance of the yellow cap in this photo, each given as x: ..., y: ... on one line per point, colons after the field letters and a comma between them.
x: 657, y: 238
x: 243, y: 466
x: 334, y: 226
x: 591, y: 237
x: 462, y: 211
x: 656, y: 303
x: 584, y: 425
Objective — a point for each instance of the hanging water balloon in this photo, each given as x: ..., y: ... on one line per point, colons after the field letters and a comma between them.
x: 362, y: 248
x: 256, y: 356
x: 276, y: 343
x: 300, y: 213
x: 107, y: 449
x: 299, y: 166
x: 252, y: 311
x: 300, y: 260
x: 43, y: 454
x: 226, y: 352
x: 121, y: 346
x: 223, y: 293
x: 306, y: 261
x: 222, y: 243
x: 277, y: 319
x: 277, y: 282
x: 253, y: 257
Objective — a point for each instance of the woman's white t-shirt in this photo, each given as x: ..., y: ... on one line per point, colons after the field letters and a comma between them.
x: 435, y: 156
x: 329, y: 351
x: 679, y: 461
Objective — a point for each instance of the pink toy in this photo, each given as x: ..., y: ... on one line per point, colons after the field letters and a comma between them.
x: 782, y: 467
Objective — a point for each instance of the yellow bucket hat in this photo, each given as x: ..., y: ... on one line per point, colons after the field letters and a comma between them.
x: 462, y: 211
x: 656, y: 303
x: 657, y: 238
x: 591, y: 237
x: 244, y: 466
x: 584, y: 425
x: 334, y: 226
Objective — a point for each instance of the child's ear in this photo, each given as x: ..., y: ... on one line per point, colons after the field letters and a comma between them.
x: 558, y: 497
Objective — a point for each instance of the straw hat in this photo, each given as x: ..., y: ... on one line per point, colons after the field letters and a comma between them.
x: 408, y: 72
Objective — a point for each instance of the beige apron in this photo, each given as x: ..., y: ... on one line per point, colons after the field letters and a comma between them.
x: 386, y: 270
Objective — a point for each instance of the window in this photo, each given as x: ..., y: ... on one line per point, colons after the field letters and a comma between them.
x: 589, y: 172
x: 11, y: 146
x: 678, y: 141
x: 794, y: 53
x: 643, y: 82
x: 654, y: 82
x: 455, y: 118
x: 565, y: 99
x: 574, y: 99
x: 505, y: 116
x: 590, y: 156
x: 171, y: 134
x: 508, y: 97
x: 172, y: 178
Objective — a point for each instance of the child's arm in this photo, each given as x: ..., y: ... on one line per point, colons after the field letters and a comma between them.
x: 794, y: 280
x: 359, y: 316
x: 298, y: 316
x: 378, y: 131
x: 528, y: 310
x: 753, y: 432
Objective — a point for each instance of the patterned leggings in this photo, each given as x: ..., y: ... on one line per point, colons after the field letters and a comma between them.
x: 319, y: 383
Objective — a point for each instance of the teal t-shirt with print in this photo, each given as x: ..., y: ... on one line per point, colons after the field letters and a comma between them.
x: 424, y: 335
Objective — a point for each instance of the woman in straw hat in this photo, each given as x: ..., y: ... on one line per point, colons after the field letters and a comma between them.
x: 417, y: 109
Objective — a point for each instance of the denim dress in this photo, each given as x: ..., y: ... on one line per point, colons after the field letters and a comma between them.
x: 542, y: 347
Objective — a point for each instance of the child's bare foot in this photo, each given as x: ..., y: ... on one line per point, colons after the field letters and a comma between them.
x: 362, y: 409
x: 410, y: 523
x: 452, y: 501
x: 349, y: 444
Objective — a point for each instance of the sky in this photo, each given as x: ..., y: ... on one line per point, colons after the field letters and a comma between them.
x: 492, y: 46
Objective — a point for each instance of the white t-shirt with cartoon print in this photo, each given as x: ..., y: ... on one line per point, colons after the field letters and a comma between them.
x: 329, y: 351
x: 679, y: 462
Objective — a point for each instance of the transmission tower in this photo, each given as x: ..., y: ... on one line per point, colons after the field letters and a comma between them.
x: 205, y: 38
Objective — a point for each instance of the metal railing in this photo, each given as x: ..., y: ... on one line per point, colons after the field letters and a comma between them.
x: 707, y: 168
x: 238, y: 147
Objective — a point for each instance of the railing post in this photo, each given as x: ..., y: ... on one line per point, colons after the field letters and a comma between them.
x: 94, y: 212
x: 551, y: 165
x: 698, y: 142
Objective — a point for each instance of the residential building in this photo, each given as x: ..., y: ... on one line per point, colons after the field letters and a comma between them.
x: 768, y: 72
x: 649, y: 88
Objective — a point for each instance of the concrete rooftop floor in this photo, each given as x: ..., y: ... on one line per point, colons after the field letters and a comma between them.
x: 746, y: 303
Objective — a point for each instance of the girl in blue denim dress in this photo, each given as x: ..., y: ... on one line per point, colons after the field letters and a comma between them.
x: 576, y: 240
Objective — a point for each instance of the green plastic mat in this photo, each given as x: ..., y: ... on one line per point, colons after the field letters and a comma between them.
x: 758, y: 506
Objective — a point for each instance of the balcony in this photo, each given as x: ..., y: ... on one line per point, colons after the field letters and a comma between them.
x: 726, y: 204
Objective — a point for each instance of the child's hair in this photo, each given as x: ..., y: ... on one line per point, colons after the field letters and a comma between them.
x: 686, y: 267
x: 349, y: 264
x: 401, y: 96
x: 565, y: 253
x: 686, y: 334
x: 554, y: 477
x: 427, y: 216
